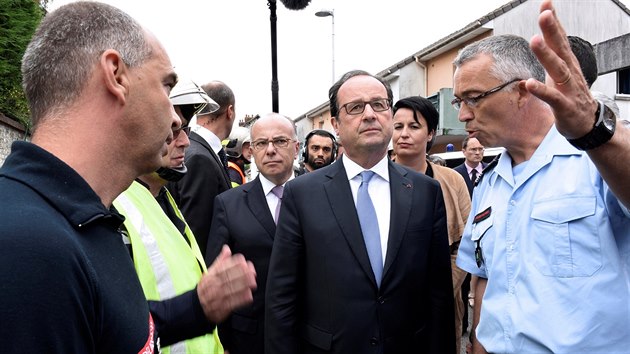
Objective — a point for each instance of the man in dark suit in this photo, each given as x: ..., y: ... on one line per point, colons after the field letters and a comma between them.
x: 342, y: 280
x: 207, y: 175
x: 473, y: 162
x: 471, y: 169
x: 244, y: 219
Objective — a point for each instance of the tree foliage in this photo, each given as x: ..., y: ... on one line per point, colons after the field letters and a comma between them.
x: 18, y: 21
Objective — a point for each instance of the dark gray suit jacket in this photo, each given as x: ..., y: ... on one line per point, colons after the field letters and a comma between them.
x: 464, y: 172
x: 321, y: 291
x: 243, y: 221
x: 194, y: 194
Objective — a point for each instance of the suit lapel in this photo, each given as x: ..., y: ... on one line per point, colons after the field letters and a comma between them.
x: 342, y: 205
x: 401, y: 189
x: 257, y: 203
x: 198, y: 138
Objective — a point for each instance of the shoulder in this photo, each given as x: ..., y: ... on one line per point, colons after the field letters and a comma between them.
x: 460, y: 168
x: 447, y: 173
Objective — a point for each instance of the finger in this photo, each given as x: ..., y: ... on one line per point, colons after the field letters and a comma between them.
x: 553, y: 49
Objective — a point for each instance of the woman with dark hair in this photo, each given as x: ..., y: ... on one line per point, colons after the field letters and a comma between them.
x: 415, y: 124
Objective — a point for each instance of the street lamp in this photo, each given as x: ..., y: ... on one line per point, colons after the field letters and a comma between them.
x: 331, y: 13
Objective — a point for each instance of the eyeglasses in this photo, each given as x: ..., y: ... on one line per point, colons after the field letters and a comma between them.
x: 185, y: 129
x: 472, y: 102
x: 278, y: 143
x: 378, y: 105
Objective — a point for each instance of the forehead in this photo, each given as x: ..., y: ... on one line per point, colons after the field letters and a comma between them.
x: 320, y: 140
x: 473, y: 74
x: 159, y: 60
x: 406, y: 115
x: 360, y: 88
x: 473, y: 143
x: 271, y: 127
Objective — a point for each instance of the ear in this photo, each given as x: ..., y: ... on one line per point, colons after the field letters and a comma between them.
x: 335, y: 124
x: 523, y: 94
x: 115, y: 74
x: 230, y: 112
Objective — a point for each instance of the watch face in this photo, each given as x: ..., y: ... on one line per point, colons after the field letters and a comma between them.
x: 609, y: 118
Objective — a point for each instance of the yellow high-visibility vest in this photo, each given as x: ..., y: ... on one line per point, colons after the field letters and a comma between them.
x: 166, y: 265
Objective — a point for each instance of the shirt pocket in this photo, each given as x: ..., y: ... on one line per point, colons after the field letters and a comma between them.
x: 566, y: 238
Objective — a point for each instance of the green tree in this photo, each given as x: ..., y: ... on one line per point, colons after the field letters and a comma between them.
x: 18, y: 21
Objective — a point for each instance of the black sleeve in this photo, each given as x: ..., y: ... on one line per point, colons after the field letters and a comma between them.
x: 180, y: 318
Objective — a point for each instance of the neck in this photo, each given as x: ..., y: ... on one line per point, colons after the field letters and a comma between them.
x: 472, y: 164
x: 153, y: 182
x: 367, y: 158
x: 416, y: 163
x: 103, y: 172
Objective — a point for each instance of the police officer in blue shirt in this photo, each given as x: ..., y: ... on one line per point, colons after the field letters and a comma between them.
x: 549, y: 230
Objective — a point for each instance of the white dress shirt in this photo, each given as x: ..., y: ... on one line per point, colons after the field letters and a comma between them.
x: 379, y: 193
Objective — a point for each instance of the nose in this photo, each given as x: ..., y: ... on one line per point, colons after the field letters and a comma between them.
x: 176, y: 122
x: 183, y: 140
x: 368, y: 112
x: 465, y: 113
x: 270, y: 149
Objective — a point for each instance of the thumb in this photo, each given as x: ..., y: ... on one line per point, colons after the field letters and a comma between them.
x: 225, y: 254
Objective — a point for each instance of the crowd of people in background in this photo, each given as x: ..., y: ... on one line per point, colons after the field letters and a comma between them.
x: 132, y: 221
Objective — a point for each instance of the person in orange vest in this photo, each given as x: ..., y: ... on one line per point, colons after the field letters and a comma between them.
x: 239, y: 156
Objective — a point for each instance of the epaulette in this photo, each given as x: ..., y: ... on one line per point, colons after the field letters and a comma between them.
x: 492, y: 164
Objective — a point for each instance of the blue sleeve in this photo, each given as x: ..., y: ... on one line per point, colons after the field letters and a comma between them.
x: 180, y: 318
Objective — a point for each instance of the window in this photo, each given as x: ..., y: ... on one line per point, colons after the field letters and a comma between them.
x: 623, y: 81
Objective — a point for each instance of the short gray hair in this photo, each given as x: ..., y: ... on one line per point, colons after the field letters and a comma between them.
x: 67, y: 45
x: 512, y: 57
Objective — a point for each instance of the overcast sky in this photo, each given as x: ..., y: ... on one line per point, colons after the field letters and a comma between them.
x: 230, y: 41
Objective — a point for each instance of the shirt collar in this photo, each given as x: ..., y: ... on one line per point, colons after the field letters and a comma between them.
x: 267, y: 185
x: 209, y: 137
x: 353, y: 169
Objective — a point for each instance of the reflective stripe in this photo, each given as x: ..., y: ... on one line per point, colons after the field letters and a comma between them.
x: 166, y: 264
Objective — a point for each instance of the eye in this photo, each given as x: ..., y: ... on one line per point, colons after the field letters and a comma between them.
x: 378, y: 105
x: 356, y: 107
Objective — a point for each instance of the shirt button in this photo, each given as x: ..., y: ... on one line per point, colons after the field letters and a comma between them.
x: 374, y: 341
x: 381, y: 300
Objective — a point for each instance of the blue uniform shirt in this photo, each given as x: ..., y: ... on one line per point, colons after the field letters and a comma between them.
x: 554, y: 244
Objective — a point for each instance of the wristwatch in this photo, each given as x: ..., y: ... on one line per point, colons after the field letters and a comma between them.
x: 603, y: 129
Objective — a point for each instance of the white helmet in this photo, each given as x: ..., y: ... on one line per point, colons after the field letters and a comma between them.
x: 237, y: 138
x: 191, y: 98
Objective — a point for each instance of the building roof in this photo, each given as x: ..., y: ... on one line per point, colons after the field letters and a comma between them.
x: 454, y: 39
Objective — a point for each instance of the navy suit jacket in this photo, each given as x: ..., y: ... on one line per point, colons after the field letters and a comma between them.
x: 464, y: 172
x: 195, y: 192
x: 321, y: 292
x: 242, y: 220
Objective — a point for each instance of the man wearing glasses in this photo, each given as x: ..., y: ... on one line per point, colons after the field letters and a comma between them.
x: 245, y: 218
x: 185, y: 298
x: 473, y: 162
x: 360, y: 260
x: 207, y: 162
x: 548, y: 234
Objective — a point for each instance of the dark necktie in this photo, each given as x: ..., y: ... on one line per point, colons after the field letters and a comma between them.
x: 224, y: 160
x: 473, y: 175
x: 369, y: 226
x: 278, y: 191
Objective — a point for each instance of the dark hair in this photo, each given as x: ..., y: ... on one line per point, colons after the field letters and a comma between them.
x: 334, y: 89
x: 319, y: 132
x: 583, y: 51
x: 423, y: 106
x: 221, y: 93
